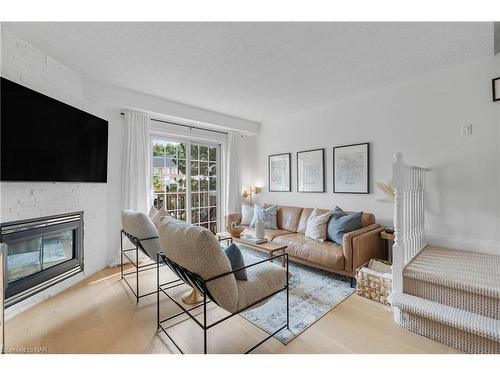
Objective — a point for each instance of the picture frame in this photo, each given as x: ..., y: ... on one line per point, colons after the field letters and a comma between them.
x: 351, y: 169
x: 495, y: 86
x: 280, y: 172
x: 311, y: 171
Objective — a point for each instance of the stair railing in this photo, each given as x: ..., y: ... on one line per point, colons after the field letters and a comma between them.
x: 409, y: 216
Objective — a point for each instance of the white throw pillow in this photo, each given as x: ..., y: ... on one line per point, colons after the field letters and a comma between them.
x: 158, y: 216
x: 316, y: 225
x: 152, y: 212
x: 246, y: 214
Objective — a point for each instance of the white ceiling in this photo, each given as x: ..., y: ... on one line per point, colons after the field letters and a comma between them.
x: 256, y: 70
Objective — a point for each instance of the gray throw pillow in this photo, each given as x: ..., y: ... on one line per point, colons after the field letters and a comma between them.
x: 235, y: 257
x: 265, y: 214
x: 341, y: 223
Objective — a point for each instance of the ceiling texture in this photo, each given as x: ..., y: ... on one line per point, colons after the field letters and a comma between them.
x: 254, y: 70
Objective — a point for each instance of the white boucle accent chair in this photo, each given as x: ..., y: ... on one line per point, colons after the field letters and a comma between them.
x: 143, y: 235
x: 193, y: 250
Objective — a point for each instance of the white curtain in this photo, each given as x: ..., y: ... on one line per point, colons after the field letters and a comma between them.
x: 136, y: 174
x: 233, y: 180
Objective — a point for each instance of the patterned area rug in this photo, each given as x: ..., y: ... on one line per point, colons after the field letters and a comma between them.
x: 313, y: 293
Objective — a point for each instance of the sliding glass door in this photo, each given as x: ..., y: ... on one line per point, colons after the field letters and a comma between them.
x: 175, y: 163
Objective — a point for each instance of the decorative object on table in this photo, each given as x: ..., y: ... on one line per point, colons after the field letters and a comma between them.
x: 280, y: 172
x: 266, y: 214
x: 254, y: 190
x: 316, y: 225
x: 251, y: 239
x: 495, y: 83
x: 313, y: 293
x: 311, y: 171
x: 341, y: 223
x: 387, y: 189
x: 235, y: 228
x: 388, y: 235
x: 260, y: 228
x: 351, y: 169
x: 374, y: 280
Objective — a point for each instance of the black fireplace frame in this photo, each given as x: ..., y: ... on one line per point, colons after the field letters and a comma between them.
x: 28, y: 286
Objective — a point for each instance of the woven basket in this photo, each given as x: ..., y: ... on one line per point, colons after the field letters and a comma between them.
x: 373, y: 287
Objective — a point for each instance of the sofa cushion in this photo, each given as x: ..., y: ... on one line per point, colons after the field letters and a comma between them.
x: 263, y: 279
x: 197, y: 249
x: 288, y: 217
x: 294, y: 242
x: 325, y: 253
x: 140, y: 226
x: 342, y: 223
x: 265, y: 214
x: 304, y: 217
x: 316, y: 225
x: 270, y: 234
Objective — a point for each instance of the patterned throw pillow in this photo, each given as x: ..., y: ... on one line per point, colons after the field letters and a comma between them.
x: 316, y: 225
x: 267, y: 215
x: 341, y: 223
x: 246, y: 214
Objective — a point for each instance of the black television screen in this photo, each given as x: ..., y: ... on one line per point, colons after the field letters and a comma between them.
x: 44, y: 139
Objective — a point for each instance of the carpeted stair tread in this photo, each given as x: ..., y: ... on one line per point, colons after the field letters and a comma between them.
x: 464, y: 320
x: 457, y: 269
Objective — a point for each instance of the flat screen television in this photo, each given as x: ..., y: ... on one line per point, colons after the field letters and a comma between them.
x: 44, y: 139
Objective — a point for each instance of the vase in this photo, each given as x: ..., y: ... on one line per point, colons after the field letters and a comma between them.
x: 259, y: 229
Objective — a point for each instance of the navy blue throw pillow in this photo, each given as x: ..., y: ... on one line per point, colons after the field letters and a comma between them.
x: 341, y: 223
x: 233, y: 252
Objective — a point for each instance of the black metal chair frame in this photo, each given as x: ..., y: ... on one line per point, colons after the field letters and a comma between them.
x: 192, y: 279
x: 138, y: 268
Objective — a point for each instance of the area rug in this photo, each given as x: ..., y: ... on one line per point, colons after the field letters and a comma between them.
x: 313, y: 293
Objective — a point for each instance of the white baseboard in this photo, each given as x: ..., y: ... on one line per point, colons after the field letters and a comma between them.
x: 462, y: 243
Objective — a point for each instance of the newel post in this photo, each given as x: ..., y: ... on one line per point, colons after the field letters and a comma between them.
x: 398, y: 251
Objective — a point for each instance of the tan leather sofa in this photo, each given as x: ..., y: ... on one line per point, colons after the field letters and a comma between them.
x: 358, y: 248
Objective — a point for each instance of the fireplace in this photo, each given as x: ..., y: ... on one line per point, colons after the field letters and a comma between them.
x: 41, y: 252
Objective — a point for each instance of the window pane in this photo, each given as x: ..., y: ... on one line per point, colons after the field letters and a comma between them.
x: 203, y: 184
x: 194, y: 184
x: 181, y: 201
x: 203, y: 169
x: 204, y: 225
x: 204, y: 199
x: 194, y: 152
x: 213, y: 183
x: 195, y: 202
x: 181, y: 151
x: 213, y: 214
x: 203, y: 215
x: 213, y: 199
x: 204, y: 153
x: 158, y: 148
x: 195, y: 216
x: 212, y: 169
x: 212, y: 154
x: 171, y: 150
x: 194, y: 168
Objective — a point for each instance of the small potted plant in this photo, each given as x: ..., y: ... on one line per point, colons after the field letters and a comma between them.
x: 234, y: 228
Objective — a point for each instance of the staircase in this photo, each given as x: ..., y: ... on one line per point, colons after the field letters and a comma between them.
x: 450, y: 296
x: 453, y: 297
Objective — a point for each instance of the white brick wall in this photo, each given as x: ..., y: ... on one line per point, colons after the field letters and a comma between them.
x: 23, y: 63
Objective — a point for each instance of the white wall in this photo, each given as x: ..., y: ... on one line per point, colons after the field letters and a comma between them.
x: 421, y: 118
x: 30, y: 67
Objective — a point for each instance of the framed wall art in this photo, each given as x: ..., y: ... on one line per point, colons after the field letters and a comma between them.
x: 351, y: 164
x: 280, y: 172
x: 311, y: 171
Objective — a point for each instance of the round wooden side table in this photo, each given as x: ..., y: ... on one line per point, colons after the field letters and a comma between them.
x: 389, y: 237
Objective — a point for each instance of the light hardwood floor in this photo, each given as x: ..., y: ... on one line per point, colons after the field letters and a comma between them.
x: 100, y: 315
